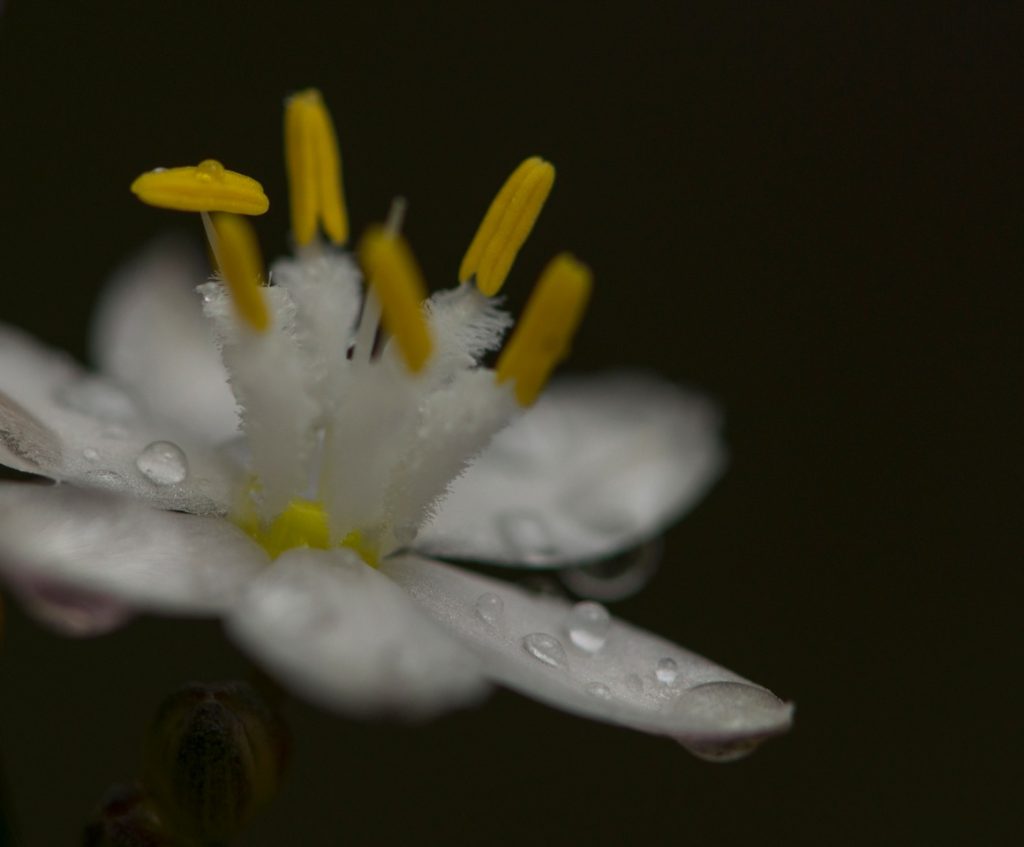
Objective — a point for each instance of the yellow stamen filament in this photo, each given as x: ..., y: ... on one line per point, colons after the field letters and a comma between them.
x: 507, y: 224
x: 314, y: 169
x: 207, y: 187
x: 397, y: 283
x: 238, y: 255
x: 542, y: 336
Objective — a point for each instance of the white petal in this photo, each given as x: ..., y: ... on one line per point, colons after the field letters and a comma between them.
x: 57, y: 420
x: 150, y: 335
x: 525, y: 643
x: 343, y: 635
x: 597, y: 466
x: 102, y: 543
x: 69, y: 610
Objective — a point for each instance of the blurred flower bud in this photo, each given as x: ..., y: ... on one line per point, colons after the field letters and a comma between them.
x: 214, y: 755
x: 126, y: 819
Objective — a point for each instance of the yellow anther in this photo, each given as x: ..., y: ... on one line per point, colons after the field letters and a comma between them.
x: 542, y: 336
x: 303, y: 523
x: 314, y: 169
x: 396, y: 281
x: 238, y: 255
x: 207, y: 187
x: 507, y: 224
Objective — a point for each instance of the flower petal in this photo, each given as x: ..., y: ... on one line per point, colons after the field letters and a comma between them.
x: 96, y: 542
x: 343, y: 635
x: 56, y: 420
x: 578, y: 659
x: 66, y: 609
x: 150, y: 335
x: 597, y: 466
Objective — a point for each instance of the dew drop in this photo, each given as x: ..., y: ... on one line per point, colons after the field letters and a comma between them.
x: 90, y: 454
x: 547, y: 648
x: 490, y: 608
x: 163, y: 463
x: 666, y: 671
x: 588, y: 625
x: 527, y: 535
x: 599, y: 690
x: 726, y: 752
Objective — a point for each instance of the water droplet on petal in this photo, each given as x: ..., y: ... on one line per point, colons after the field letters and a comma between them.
x: 163, y: 463
x: 599, y: 690
x: 489, y: 608
x: 106, y: 479
x: 97, y: 399
x: 527, y: 535
x: 90, y: 454
x: 729, y: 752
x: 731, y: 707
x: 588, y: 625
x: 547, y: 648
x: 666, y: 671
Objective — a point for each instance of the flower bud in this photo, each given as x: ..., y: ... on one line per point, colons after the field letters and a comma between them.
x: 214, y: 755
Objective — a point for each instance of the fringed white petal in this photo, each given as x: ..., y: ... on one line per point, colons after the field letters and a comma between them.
x: 581, y: 660
x: 106, y: 544
x: 56, y: 420
x: 327, y: 296
x: 597, y: 466
x: 150, y: 335
x: 344, y: 636
x: 271, y: 381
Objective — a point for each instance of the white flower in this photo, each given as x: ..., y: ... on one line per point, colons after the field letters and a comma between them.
x: 316, y: 533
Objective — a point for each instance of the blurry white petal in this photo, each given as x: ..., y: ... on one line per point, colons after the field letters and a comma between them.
x: 597, y: 466
x: 150, y: 335
x: 68, y: 610
x: 589, y: 664
x: 97, y: 542
x: 59, y: 421
x: 345, y: 636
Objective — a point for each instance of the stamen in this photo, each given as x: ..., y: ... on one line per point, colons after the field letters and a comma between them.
x: 396, y: 282
x: 238, y: 254
x: 542, y: 336
x: 207, y: 187
x: 314, y: 169
x: 507, y: 224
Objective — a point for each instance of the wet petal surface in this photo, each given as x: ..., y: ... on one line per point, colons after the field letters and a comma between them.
x: 59, y: 421
x: 597, y: 466
x: 101, y: 543
x: 345, y: 636
x: 580, y: 660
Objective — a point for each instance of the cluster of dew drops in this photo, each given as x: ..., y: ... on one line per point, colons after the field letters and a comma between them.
x: 587, y: 625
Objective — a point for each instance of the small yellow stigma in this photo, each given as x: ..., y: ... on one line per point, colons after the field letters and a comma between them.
x: 314, y: 169
x: 395, y: 279
x: 507, y: 224
x: 238, y: 254
x: 207, y: 187
x: 542, y: 336
x: 302, y: 524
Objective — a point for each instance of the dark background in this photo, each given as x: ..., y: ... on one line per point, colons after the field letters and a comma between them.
x: 811, y: 211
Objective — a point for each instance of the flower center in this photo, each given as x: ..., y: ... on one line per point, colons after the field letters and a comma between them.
x: 359, y: 407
